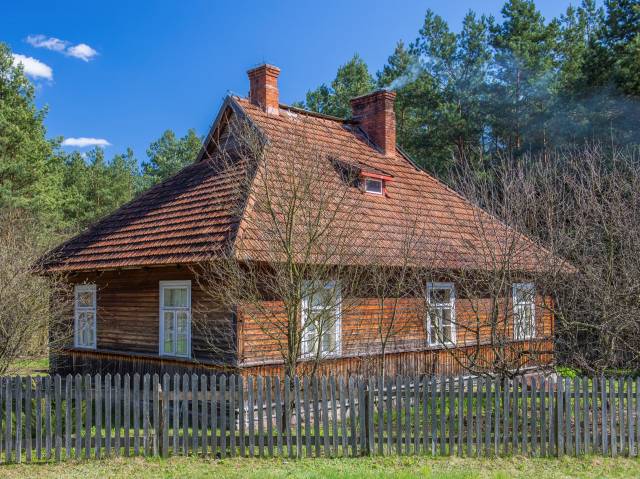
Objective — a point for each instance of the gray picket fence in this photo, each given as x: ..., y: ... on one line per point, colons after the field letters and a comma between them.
x: 54, y: 418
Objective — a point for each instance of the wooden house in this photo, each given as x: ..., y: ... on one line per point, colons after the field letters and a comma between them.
x: 135, y: 288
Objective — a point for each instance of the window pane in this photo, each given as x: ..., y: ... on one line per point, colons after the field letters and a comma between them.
x: 182, y: 323
x: 440, y: 296
x: 175, y: 297
x: 445, y: 333
x: 373, y: 186
x: 329, y: 337
x: 86, y: 299
x: 524, y: 293
x: 168, y: 331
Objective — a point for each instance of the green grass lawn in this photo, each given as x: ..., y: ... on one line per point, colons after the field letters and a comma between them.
x: 403, y: 467
x: 33, y: 367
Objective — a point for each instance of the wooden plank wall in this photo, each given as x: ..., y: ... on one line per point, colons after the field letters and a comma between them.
x: 128, y: 312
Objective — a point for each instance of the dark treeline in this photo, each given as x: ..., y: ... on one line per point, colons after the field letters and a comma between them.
x: 511, y: 85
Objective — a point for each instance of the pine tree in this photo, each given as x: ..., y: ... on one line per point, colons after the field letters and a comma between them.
x: 352, y: 79
x: 168, y: 155
x: 29, y: 174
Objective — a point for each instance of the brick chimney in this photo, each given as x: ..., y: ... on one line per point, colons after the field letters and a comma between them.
x: 375, y: 115
x: 263, y: 87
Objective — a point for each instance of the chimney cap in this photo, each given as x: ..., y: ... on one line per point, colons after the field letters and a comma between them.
x: 266, y: 67
x: 380, y: 92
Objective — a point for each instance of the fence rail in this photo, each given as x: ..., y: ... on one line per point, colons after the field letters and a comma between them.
x: 55, y: 418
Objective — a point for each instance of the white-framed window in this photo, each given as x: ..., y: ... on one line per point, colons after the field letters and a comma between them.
x: 175, y: 318
x: 524, y: 310
x: 441, y: 313
x: 373, y: 185
x: 321, y: 319
x: 84, y: 325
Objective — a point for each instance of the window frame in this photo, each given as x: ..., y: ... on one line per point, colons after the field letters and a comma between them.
x: 167, y: 285
x: 377, y: 180
x: 451, y: 304
x: 77, y: 310
x: 306, y: 353
x: 518, y: 305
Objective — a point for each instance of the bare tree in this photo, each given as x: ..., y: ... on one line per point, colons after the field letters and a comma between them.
x: 33, y: 308
x: 583, y: 205
x: 501, y: 286
x: 297, y: 257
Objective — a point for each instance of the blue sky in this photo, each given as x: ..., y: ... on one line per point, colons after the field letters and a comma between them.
x: 123, y: 72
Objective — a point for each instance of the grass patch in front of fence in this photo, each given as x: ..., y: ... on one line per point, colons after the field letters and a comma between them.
x: 366, y: 467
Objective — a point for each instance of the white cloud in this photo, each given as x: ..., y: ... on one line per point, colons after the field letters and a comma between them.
x: 32, y: 67
x: 81, y: 50
x: 82, y: 142
x: 40, y: 41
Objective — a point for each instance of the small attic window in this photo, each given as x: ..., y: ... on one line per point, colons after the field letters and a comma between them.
x: 373, y: 186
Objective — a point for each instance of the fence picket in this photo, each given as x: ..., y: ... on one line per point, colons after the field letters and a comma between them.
x: 38, y: 412
x: 107, y: 414
x: 213, y: 385
x: 637, y: 415
x: 166, y: 385
x: 459, y: 430
x: 398, y: 415
x: 8, y: 404
x: 407, y: 415
x: 260, y: 405
x: 88, y: 403
x: 334, y: 415
x: 223, y: 416
x: 250, y: 415
x: 525, y: 414
x: 534, y: 416
x: 586, y: 415
x: 389, y: 400
x: 629, y: 414
x: 452, y: 399
x: 279, y: 419
x: 488, y: 407
x: 352, y: 414
x: 68, y: 403
x: 612, y: 418
x: 325, y: 417
x: 98, y: 413
x: 287, y: 415
x: 117, y: 409
x: 296, y: 392
x: 37, y: 405
x: 469, y: 428
x: 231, y: 417
x: 195, y: 433
x: 156, y: 414
x: 176, y: 415
x: 316, y: 415
x: 204, y: 422
x: 126, y: 416
x: 269, y: 415
x: 146, y: 447
x: 442, y: 406
x: 17, y: 392
x: 47, y: 417
x: 241, y: 417
x: 478, y: 421
x: 136, y: 414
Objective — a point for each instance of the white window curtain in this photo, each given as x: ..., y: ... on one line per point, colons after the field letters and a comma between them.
x: 321, y: 319
x: 524, y: 310
x: 175, y: 318
x: 84, y: 331
x: 441, y: 312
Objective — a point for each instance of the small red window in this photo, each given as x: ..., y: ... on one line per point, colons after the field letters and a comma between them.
x: 373, y: 186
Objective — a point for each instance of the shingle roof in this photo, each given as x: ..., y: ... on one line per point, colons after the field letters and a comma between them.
x: 193, y: 214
